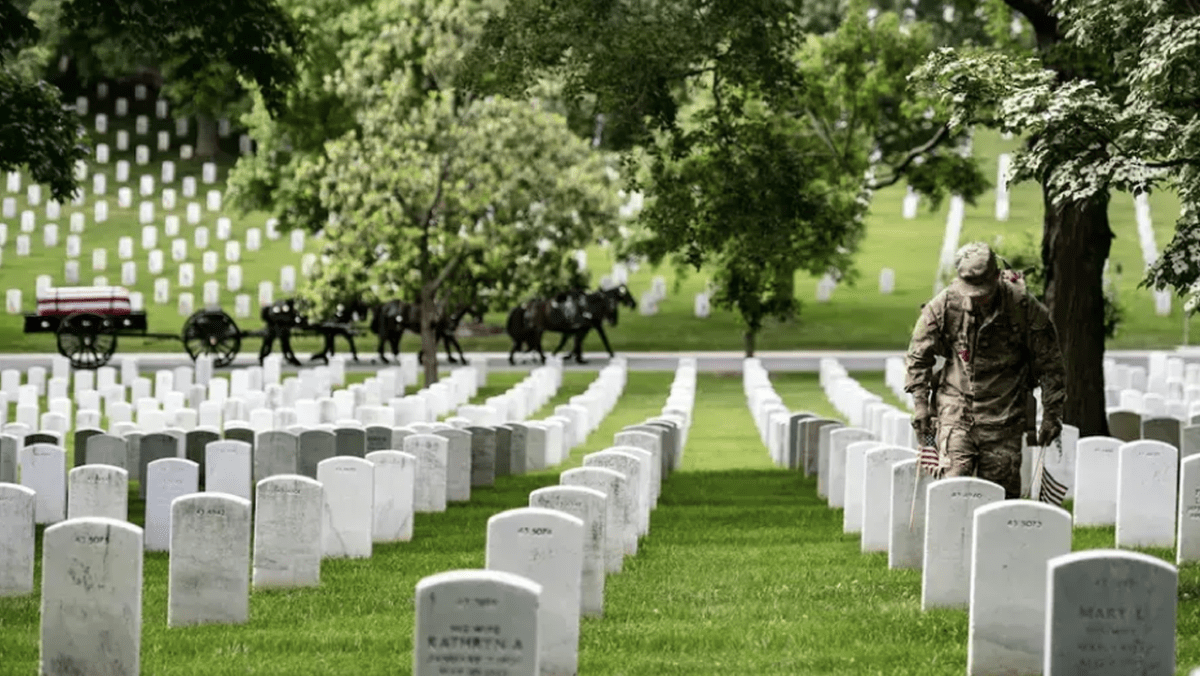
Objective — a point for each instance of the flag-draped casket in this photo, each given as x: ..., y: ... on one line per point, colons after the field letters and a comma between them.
x: 100, y: 300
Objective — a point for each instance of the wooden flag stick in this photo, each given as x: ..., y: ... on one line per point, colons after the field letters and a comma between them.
x: 912, y: 512
x: 1038, y: 470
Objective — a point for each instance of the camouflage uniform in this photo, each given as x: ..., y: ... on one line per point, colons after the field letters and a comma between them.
x: 984, y: 388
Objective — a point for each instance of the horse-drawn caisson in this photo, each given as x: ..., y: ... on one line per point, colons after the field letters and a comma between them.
x: 87, y: 320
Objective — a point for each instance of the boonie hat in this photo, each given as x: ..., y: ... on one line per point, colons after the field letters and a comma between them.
x: 978, y: 272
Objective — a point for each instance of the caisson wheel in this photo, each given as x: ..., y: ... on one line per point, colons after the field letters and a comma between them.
x: 214, y: 333
x: 87, y: 340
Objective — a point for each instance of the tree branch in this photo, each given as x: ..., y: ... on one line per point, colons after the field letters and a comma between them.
x: 718, y: 107
x: 850, y: 131
x: 1041, y: 14
x: 693, y: 73
x: 437, y: 193
x: 898, y: 170
x: 403, y: 204
x: 446, y: 270
x: 823, y: 133
x: 1171, y: 164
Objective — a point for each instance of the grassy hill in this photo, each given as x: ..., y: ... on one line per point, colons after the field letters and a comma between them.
x: 857, y: 317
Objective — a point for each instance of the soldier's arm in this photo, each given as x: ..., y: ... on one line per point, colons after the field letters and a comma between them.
x: 1048, y: 369
x: 925, y: 347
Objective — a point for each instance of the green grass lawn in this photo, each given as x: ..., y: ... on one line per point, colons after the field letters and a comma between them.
x: 857, y: 317
x: 745, y: 571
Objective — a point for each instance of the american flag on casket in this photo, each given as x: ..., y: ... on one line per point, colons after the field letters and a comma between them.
x: 100, y: 300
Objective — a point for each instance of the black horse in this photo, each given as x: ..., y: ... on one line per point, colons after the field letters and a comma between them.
x: 284, y: 316
x: 341, y: 323
x: 393, y: 318
x: 574, y: 313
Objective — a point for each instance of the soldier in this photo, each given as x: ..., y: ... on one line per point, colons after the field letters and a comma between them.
x: 998, y: 344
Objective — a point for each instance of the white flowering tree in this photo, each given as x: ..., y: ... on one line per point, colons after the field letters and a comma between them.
x: 458, y: 196
x: 1108, y: 101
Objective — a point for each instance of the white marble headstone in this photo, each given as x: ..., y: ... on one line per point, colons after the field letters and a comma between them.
x: 287, y: 531
x: 457, y: 610
x: 93, y: 618
x: 1013, y: 542
x: 209, y: 569
x: 349, y: 506
x: 545, y: 546
x: 589, y: 506
x: 950, y: 506
x: 16, y: 537
x: 395, y: 478
x: 98, y: 490
x: 1116, y: 605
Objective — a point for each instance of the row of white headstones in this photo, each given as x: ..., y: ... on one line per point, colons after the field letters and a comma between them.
x: 186, y: 397
x: 155, y: 257
x: 545, y: 564
x: 354, y: 516
x: 210, y: 532
x: 186, y: 300
x: 252, y: 399
x: 1034, y: 607
x: 142, y: 124
x: 170, y: 464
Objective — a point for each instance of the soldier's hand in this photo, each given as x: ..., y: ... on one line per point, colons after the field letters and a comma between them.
x: 1048, y: 432
x: 923, y: 426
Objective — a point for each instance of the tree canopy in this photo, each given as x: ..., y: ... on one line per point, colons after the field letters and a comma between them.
x: 1106, y: 103
x: 252, y: 40
x: 756, y: 144
x: 354, y: 47
x: 487, y: 190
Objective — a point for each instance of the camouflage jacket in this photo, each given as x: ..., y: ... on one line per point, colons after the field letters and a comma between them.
x: 991, y: 364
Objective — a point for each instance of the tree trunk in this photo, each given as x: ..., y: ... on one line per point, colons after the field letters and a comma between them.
x: 1075, y: 245
x: 428, y: 337
x: 748, y: 342
x: 206, y: 136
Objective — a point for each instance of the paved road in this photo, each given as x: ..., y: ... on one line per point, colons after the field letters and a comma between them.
x: 800, y: 360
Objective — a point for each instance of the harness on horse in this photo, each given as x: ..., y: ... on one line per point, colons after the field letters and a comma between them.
x: 571, y: 305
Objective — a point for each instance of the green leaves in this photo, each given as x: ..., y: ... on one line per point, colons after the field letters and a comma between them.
x: 1125, y: 119
x: 754, y: 141
x: 467, y: 195
x: 38, y: 134
x: 255, y: 38
x: 208, y: 44
x: 16, y: 30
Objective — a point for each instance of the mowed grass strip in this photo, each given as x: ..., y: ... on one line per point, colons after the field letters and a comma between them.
x: 747, y: 572
x: 361, y: 618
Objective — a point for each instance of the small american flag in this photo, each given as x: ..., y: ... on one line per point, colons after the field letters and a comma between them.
x: 1049, y: 489
x: 929, y: 461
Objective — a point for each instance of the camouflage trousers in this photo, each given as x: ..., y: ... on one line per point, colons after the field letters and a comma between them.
x: 989, y: 457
